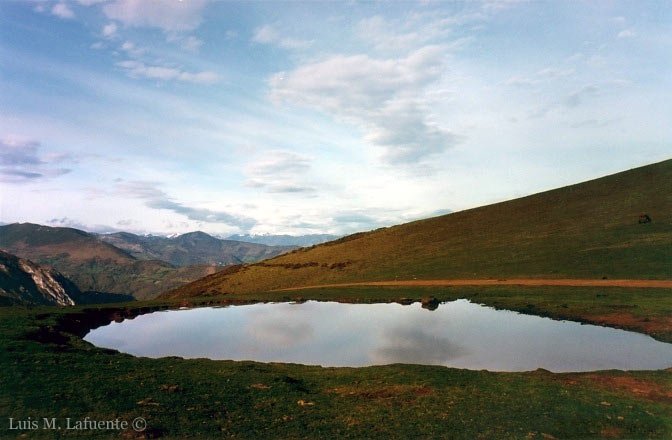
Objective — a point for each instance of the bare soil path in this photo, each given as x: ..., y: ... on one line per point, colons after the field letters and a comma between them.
x: 661, y: 284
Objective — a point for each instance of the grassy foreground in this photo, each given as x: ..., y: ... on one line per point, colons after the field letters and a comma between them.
x: 49, y: 371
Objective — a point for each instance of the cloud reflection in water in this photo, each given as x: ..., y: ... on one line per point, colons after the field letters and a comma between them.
x: 417, y: 346
x: 458, y: 334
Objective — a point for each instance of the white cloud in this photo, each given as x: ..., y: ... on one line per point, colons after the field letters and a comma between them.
x: 109, y: 30
x: 577, y: 97
x: 618, y: 20
x: 90, y: 2
x: 63, y: 11
x: 268, y: 35
x: 597, y: 61
x: 279, y: 172
x: 131, y: 49
x: 627, y: 33
x: 385, y: 97
x: 19, y: 150
x: 403, y: 34
x: 521, y: 81
x: 138, y: 69
x: 573, y: 58
x: 191, y: 43
x: 265, y: 34
x: 67, y: 222
x: 21, y: 163
x: 156, y: 198
x: 546, y: 74
x: 555, y: 72
x: 498, y: 5
x: 97, y: 45
x: 169, y: 15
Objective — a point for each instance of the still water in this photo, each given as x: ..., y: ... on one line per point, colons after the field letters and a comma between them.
x: 457, y: 334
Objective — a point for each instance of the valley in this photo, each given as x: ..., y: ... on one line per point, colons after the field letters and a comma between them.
x: 128, y: 264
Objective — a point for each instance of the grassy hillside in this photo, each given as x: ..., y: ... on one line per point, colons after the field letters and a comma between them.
x: 587, y: 230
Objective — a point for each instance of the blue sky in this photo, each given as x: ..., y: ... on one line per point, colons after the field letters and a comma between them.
x: 168, y: 116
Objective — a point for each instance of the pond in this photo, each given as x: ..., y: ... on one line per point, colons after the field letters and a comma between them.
x: 458, y: 334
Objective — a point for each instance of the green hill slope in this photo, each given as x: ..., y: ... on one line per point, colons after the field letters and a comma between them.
x: 587, y: 230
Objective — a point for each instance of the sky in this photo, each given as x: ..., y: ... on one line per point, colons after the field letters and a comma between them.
x: 271, y: 117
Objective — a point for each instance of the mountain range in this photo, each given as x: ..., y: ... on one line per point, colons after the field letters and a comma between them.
x: 618, y: 226
x: 125, y: 263
x: 284, y: 239
x: 191, y: 248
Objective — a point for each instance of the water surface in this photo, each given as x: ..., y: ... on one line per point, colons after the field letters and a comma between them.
x: 457, y: 334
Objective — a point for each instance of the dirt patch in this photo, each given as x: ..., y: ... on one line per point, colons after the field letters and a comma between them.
x: 288, y: 265
x: 611, y: 432
x: 663, y: 284
x: 423, y: 390
x: 647, y: 389
x: 650, y: 325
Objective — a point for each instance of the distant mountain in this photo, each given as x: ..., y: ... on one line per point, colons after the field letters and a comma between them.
x: 24, y: 282
x: 192, y: 248
x: 285, y: 240
x: 92, y: 264
x: 618, y: 226
x: 38, y: 243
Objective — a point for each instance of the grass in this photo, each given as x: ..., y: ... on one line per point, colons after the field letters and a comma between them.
x: 49, y: 371
x: 589, y: 230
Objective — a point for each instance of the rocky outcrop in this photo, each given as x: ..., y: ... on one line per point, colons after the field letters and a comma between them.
x: 24, y: 282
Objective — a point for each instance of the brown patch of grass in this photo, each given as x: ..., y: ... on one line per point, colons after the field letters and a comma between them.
x: 650, y: 325
x: 350, y: 421
x: 500, y: 282
x: 611, y: 432
x: 642, y: 388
